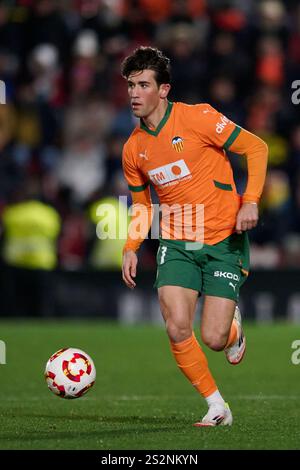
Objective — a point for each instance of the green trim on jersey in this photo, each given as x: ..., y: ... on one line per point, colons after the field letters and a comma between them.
x: 224, y: 186
x: 232, y: 137
x: 162, y: 122
x: 137, y: 189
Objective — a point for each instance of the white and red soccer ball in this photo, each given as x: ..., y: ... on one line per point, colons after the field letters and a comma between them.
x: 70, y: 373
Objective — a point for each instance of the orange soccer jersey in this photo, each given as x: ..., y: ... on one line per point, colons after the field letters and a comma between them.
x: 184, y: 159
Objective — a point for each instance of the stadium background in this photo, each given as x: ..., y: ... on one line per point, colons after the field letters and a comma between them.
x: 61, y: 135
x: 67, y: 117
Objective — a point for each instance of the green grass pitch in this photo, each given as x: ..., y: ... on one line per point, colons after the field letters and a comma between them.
x: 140, y: 399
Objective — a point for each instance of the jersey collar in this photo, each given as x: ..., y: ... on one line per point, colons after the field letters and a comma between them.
x: 162, y: 122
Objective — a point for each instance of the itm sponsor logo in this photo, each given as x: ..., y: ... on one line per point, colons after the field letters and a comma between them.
x: 167, y: 173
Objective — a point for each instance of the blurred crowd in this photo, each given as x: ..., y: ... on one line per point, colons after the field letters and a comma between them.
x: 67, y: 115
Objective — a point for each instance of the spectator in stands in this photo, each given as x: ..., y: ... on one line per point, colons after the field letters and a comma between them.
x: 29, y: 250
x: 60, y: 64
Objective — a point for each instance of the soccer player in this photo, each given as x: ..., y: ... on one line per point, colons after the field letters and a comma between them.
x: 181, y: 150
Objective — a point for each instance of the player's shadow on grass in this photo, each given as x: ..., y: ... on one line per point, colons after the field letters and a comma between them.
x: 138, y: 425
x: 52, y: 434
x: 147, y: 420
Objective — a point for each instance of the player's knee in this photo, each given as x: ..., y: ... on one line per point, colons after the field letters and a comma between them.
x: 178, y: 332
x: 216, y: 342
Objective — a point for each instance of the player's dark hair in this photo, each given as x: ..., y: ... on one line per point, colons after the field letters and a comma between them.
x: 147, y: 58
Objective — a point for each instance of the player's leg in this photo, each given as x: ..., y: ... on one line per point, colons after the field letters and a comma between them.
x: 178, y: 305
x: 225, y: 268
x: 179, y: 280
x: 221, y: 327
x: 216, y: 320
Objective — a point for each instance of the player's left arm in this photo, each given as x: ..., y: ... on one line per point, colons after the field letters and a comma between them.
x: 256, y: 152
x: 217, y: 130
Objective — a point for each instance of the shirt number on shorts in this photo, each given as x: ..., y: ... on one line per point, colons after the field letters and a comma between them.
x: 163, y: 254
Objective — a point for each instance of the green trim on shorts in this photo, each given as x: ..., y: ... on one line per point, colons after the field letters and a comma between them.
x: 218, y: 270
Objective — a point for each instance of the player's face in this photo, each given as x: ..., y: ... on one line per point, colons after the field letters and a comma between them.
x: 144, y: 93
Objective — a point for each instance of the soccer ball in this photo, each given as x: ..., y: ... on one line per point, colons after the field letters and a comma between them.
x: 70, y: 373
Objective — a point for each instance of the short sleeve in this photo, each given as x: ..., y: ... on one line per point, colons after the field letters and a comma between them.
x: 135, y: 179
x: 215, y: 128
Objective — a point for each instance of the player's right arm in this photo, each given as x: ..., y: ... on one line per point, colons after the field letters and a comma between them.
x: 129, y: 265
x: 219, y: 131
x: 139, y: 226
x: 141, y: 216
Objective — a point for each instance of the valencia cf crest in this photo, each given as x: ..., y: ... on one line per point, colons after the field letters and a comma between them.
x: 177, y: 143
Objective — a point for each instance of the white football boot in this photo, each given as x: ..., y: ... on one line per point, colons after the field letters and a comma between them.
x: 218, y: 415
x: 235, y: 353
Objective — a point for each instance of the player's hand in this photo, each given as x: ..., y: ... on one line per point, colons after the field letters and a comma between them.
x: 247, y: 217
x: 129, y: 268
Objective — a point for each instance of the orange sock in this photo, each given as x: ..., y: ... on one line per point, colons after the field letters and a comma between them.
x: 232, y: 334
x: 192, y: 361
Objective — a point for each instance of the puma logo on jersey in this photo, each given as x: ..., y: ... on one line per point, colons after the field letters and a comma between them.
x: 143, y: 155
x: 167, y: 173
